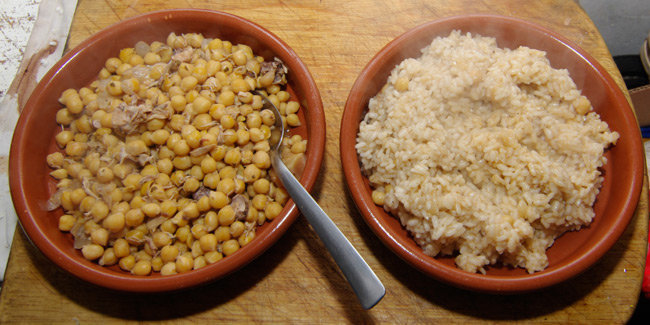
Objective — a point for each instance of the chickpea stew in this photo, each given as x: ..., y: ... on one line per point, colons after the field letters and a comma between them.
x: 164, y: 159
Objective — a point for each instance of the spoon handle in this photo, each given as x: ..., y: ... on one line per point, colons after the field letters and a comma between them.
x: 363, y: 280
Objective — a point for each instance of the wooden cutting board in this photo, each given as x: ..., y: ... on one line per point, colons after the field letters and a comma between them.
x: 296, y: 280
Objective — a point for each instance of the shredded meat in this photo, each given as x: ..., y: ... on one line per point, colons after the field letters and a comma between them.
x: 201, y: 192
x: 149, y: 241
x: 80, y: 237
x: 87, y: 187
x: 143, y: 159
x: 240, y: 204
x: 161, y: 112
x: 127, y: 118
x: 153, y: 224
x: 135, y: 240
x: 278, y: 68
x: 54, y: 201
x: 184, y: 55
x: 202, y: 150
x: 171, y: 67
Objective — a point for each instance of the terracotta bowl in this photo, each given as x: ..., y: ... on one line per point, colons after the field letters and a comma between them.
x: 572, y: 253
x: 33, y: 139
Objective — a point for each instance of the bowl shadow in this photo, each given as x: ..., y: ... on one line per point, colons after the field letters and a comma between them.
x: 168, y: 305
x: 486, y: 306
x: 175, y: 305
x: 339, y: 286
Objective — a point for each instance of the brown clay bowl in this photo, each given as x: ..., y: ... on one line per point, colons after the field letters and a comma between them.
x: 572, y: 253
x: 33, y: 139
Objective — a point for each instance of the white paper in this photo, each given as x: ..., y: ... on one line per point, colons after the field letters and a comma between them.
x: 49, y: 29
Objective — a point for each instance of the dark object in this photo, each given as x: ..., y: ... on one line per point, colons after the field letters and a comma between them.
x: 632, y: 70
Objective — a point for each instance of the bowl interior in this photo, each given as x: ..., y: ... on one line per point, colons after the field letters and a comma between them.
x: 573, y: 252
x: 34, y: 140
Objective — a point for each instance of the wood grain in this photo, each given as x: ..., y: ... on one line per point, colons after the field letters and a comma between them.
x: 296, y: 280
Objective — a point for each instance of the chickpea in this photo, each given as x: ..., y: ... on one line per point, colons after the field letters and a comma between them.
x: 191, y: 211
x: 229, y: 247
x: 237, y: 228
x: 293, y: 120
x: 66, y: 222
x: 272, y: 210
x: 213, y: 257
x: 191, y: 185
x: 99, y: 236
x: 99, y: 211
x: 105, y: 175
x: 86, y: 204
x: 292, y: 107
x: 121, y: 248
x: 127, y: 263
x: 198, y: 230
x: 76, y: 149
x: 169, y: 253
x: 245, y: 238
x: 378, y: 197
x: 262, y: 160
x: 156, y: 264
x: 92, y: 251
x: 160, y: 136
x: 151, y: 209
x: 168, y: 208
x: 63, y: 138
x: 168, y: 269
x: 583, y: 105
x: 232, y: 157
x: 201, y: 105
x: 226, y: 215
x: 136, y: 147
x: 402, y: 84
x: 55, y: 160
x: 239, y: 86
x: 268, y: 118
x: 115, y: 222
x: 114, y: 88
x: 182, y: 163
x: 108, y: 258
x: 162, y: 239
x: 60, y: 173
x: 226, y: 185
x: 134, y: 217
x: 262, y: 186
x: 141, y: 268
x: 259, y: 201
x: 299, y: 147
x: 188, y: 83
x: 222, y: 233
x: 184, y: 263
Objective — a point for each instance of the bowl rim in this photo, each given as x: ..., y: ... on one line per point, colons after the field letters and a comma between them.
x: 353, y: 113
x: 144, y: 284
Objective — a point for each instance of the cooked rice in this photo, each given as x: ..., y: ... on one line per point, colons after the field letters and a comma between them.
x: 484, y: 155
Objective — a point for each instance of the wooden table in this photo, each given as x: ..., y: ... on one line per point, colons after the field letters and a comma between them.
x: 296, y: 280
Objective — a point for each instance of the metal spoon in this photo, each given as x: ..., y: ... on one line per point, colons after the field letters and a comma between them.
x: 363, y: 280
